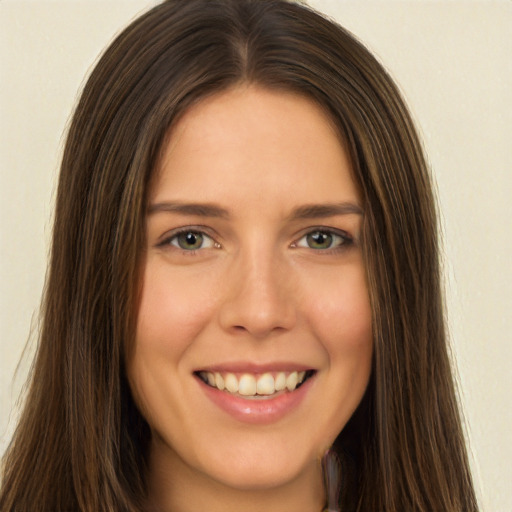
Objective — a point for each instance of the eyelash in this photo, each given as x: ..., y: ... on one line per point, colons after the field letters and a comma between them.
x: 341, y: 238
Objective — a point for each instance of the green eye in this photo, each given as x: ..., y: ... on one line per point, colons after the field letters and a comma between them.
x: 319, y: 240
x: 191, y: 240
x: 323, y: 240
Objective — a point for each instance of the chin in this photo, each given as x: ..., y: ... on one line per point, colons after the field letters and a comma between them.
x: 251, y: 478
x: 255, y: 467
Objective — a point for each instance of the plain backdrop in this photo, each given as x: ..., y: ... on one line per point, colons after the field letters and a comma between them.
x: 453, y: 62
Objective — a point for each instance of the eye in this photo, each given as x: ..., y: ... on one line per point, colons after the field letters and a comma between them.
x: 190, y: 240
x: 323, y: 239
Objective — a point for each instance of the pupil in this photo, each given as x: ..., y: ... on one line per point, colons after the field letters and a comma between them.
x: 320, y: 240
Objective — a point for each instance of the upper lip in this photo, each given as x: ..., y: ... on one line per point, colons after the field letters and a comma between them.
x: 256, y: 368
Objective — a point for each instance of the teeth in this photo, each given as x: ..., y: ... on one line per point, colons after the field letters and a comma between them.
x: 250, y: 385
x: 291, y: 381
x: 280, y: 382
x: 231, y: 383
x: 219, y: 381
x: 247, y: 385
x: 265, y: 385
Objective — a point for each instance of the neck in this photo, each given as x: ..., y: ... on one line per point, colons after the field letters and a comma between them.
x: 175, y: 487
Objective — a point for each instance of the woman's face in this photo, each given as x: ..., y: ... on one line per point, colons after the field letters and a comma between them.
x: 253, y: 279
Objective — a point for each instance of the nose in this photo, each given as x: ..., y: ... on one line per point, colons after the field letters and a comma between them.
x: 258, y: 296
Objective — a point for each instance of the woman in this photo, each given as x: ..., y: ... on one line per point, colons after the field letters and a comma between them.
x: 244, y: 276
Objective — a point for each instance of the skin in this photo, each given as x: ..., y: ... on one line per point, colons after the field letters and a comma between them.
x: 256, y: 290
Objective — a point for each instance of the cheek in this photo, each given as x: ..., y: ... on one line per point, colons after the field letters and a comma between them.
x: 172, y: 313
x: 174, y: 308
x: 341, y: 315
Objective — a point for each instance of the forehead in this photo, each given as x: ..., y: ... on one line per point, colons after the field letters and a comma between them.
x: 250, y: 142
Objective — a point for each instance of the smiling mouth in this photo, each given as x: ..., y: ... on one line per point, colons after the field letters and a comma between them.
x: 249, y: 385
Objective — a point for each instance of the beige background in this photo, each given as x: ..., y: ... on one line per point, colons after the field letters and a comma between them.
x: 453, y: 61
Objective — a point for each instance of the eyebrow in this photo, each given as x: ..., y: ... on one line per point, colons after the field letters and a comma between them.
x: 199, y: 209
x: 311, y: 211
x: 315, y: 211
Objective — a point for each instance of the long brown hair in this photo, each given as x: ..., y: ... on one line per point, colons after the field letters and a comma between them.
x: 81, y: 444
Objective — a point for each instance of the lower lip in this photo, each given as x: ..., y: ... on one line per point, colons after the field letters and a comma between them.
x: 257, y: 411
